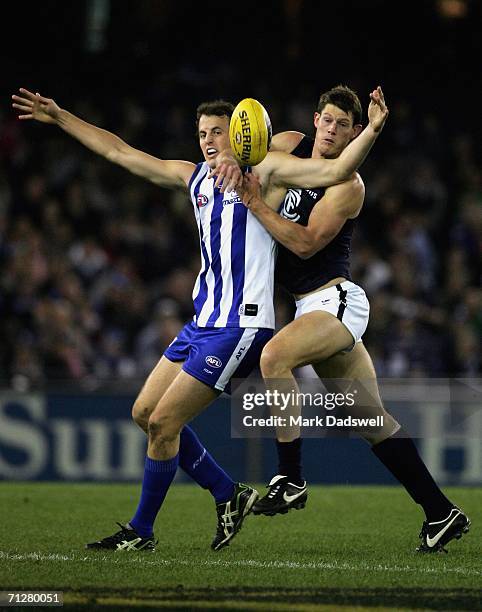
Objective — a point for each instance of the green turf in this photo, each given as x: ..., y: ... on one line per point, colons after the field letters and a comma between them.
x: 351, y: 546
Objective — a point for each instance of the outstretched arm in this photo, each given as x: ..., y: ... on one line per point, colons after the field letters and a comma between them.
x: 167, y: 173
x: 289, y: 171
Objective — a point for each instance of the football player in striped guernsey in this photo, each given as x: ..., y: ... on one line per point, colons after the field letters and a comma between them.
x: 314, y: 230
x: 233, y: 302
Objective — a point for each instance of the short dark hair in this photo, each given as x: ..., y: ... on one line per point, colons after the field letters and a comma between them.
x: 343, y: 97
x: 220, y: 108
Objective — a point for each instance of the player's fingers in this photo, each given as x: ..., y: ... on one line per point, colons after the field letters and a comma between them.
x: 231, y: 178
x: 22, y: 107
x: 225, y: 186
x: 232, y: 185
x: 237, y: 180
x: 220, y: 182
x: 22, y: 100
x: 220, y: 175
x: 42, y: 99
x: 25, y: 116
x: 30, y: 95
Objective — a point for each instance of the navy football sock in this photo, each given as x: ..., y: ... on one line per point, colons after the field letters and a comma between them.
x: 400, y: 455
x: 195, y: 460
x: 289, y: 460
x: 158, y: 476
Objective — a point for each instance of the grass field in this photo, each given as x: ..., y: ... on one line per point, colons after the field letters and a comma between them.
x: 352, y: 548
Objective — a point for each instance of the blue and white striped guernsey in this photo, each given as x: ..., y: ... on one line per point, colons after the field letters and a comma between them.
x: 235, y: 285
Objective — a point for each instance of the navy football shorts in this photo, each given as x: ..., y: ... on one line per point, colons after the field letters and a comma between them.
x: 214, y: 355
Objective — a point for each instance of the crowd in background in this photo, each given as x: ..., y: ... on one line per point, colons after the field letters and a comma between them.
x: 97, y: 266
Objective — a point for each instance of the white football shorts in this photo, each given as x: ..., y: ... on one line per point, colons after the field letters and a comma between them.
x: 346, y: 301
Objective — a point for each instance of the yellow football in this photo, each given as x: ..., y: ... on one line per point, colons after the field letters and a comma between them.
x: 250, y: 132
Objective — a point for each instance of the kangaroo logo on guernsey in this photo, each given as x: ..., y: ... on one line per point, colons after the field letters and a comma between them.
x: 213, y: 361
x: 201, y: 200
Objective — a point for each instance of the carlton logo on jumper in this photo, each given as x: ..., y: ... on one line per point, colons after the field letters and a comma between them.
x: 201, y: 200
x: 213, y: 361
x: 290, y: 205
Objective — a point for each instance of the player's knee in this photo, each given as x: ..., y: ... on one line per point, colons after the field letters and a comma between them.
x: 163, y: 428
x: 389, y: 428
x: 140, y: 414
x: 271, y: 362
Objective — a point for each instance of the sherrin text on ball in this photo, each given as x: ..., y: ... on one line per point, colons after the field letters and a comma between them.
x: 250, y: 132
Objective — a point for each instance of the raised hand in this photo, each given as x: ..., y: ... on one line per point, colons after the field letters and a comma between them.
x: 377, y: 110
x: 227, y: 172
x: 250, y: 190
x: 35, y: 106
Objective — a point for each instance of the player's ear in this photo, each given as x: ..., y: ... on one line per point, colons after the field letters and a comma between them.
x: 357, y: 129
x: 316, y: 120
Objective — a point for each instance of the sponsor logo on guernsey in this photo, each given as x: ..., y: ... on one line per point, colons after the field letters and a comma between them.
x: 291, y: 204
x: 213, y: 361
x: 248, y: 310
x: 313, y: 194
x: 201, y: 200
x: 232, y: 198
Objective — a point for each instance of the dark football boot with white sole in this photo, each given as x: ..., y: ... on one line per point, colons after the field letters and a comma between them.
x: 124, y: 540
x: 232, y: 513
x: 282, y: 496
x: 436, y: 535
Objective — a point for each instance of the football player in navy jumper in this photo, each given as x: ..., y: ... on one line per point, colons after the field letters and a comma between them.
x: 313, y: 230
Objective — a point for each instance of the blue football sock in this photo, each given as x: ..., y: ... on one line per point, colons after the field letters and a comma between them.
x: 158, y: 476
x: 195, y: 460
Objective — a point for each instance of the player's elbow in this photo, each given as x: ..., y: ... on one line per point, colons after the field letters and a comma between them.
x: 305, y: 249
x: 118, y: 153
x: 341, y: 174
x: 306, y: 252
x: 311, y: 246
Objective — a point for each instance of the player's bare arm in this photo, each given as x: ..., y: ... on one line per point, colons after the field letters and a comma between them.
x: 166, y: 173
x: 286, y: 141
x: 339, y: 203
